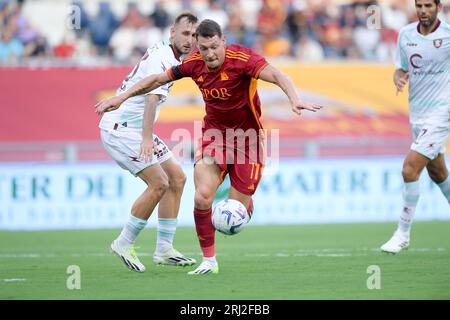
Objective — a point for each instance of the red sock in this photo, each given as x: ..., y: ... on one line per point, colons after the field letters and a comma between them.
x: 205, y: 231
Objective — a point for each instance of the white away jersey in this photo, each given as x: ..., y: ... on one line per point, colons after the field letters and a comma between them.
x: 427, y: 58
x: 157, y: 59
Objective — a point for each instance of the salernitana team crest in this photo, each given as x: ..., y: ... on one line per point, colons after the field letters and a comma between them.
x: 437, y: 43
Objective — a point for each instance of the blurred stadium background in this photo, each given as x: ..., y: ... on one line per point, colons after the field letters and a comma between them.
x: 342, y: 165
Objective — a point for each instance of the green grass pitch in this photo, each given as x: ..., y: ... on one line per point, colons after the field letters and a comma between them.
x: 262, y: 262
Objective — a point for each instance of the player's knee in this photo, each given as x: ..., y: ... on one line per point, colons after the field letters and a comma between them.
x: 410, y: 173
x: 159, y: 186
x: 203, y: 199
x: 177, y: 182
x: 162, y: 187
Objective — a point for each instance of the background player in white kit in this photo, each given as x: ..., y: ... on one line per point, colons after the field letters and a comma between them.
x: 127, y: 135
x: 423, y: 58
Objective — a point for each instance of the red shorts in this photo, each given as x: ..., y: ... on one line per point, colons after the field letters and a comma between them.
x: 244, y: 164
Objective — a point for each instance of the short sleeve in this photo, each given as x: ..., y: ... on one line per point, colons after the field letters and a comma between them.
x: 255, y: 65
x: 401, y: 61
x: 184, y: 69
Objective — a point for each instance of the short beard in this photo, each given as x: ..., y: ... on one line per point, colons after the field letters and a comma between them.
x: 179, y: 52
x: 429, y: 23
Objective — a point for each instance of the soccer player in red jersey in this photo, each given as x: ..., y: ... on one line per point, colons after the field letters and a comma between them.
x: 227, y: 77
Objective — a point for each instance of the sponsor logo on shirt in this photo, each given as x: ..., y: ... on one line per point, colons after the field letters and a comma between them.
x: 219, y: 93
x: 415, y: 61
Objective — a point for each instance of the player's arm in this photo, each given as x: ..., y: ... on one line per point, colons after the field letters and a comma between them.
x: 400, y: 79
x: 145, y: 85
x: 147, y: 144
x: 275, y: 76
x: 401, y: 74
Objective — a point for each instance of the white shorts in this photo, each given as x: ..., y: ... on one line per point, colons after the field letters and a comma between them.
x: 124, y: 147
x: 429, y: 138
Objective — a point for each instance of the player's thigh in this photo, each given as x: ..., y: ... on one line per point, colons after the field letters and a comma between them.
x: 154, y: 176
x: 174, y: 171
x: 437, y: 169
x: 239, y: 196
x: 154, y: 172
x: 207, y: 177
x: 245, y: 178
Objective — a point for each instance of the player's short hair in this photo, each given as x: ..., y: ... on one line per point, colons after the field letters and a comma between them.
x: 208, y: 29
x: 437, y: 2
x: 189, y: 16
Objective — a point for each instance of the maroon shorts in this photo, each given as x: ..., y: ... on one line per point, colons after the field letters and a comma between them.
x: 243, y: 163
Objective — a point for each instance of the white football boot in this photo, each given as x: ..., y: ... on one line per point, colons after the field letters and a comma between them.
x: 399, y: 241
x: 128, y: 256
x: 172, y: 257
x: 206, y: 267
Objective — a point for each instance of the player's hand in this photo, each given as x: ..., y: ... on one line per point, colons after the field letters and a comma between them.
x: 298, y: 107
x: 147, y: 149
x: 107, y: 105
x: 400, y: 82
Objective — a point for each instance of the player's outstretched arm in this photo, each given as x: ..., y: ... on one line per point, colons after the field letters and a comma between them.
x: 275, y: 76
x: 400, y: 79
x: 143, y: 86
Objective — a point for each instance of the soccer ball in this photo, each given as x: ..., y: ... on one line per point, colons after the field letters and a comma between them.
x: 230, y: 216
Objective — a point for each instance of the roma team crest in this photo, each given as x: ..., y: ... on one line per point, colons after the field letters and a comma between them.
x: 223, y: 76
x: 437, y: 43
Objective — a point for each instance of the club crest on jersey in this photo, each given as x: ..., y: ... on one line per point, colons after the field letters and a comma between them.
x: 437, y: 43
x: 223, y: 76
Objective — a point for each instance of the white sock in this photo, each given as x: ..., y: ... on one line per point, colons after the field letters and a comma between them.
x: 165, y: 234
x: 210, y: 259
x: 411, y: 195
x: 131, y: 230
x: 445, y: 188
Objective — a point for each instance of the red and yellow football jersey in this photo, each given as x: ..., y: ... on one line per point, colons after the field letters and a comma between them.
x: 230, y: 95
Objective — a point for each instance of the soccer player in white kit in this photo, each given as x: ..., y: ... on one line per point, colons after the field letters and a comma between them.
x: 423, y: 58
x: 127, y: 135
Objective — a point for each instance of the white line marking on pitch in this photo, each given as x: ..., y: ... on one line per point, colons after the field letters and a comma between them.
x: 20, y: 255
x: 14, y: 280
x: 325, y: 255
x: 52, y: 255
x: 326, y: 252
x: 300, y: 255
